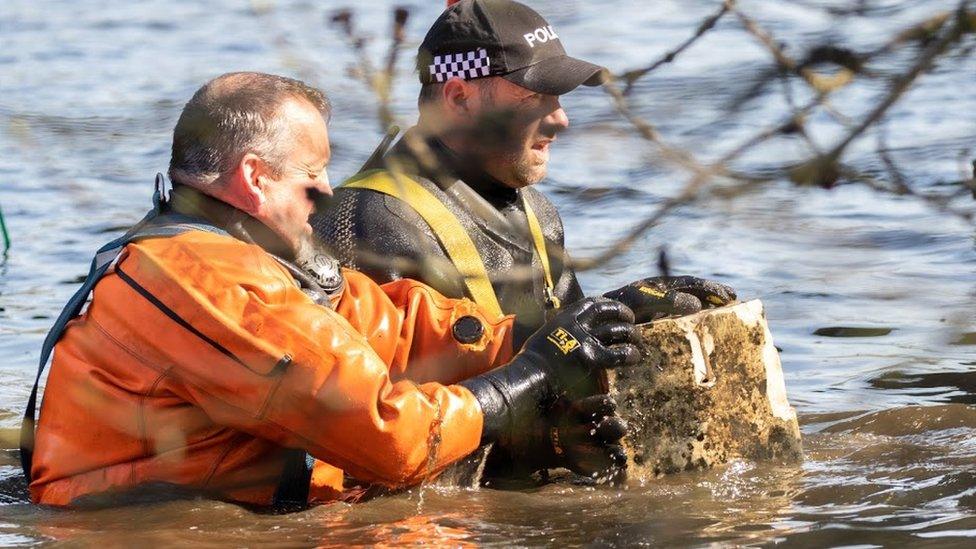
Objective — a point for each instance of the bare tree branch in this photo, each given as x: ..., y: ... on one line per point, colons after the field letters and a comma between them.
x: 937, y: 34
x: 632, y: 76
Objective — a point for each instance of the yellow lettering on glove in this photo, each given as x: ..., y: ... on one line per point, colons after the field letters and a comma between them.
x: 715, y: 300
x: 651, y: 291
x: 563, y: 340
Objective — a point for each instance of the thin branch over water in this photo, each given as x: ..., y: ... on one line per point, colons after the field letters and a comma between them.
x: 823, y: 69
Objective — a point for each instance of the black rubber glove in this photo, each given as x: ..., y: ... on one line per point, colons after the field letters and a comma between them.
x: 662, y: 296
x: 585, y: 438
x: 559, y: 363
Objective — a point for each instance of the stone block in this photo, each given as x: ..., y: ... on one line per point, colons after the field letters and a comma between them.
x: 709, y: 389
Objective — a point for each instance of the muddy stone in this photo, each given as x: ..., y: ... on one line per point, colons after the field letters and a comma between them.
x: 709, y: 389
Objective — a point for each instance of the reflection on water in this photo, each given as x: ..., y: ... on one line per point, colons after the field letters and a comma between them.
x: 958, y: 387
x: 847, y: 331
x: 870, y: 296
x: 891, y: 477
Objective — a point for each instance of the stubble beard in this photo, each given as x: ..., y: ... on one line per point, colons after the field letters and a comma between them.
x: 526, y: 171
x: 522, y: 167
x: 518, y: 164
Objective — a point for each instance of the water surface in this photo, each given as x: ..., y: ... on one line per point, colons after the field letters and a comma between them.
x: 870, y: 296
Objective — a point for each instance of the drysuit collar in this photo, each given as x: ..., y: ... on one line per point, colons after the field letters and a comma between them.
x: 189, y: 201
x: 316, y: 271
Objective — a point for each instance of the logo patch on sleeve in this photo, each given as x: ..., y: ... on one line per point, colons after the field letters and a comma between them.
x: 563, y: 340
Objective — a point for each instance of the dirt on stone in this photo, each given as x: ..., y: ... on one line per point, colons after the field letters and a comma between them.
x: 702, y: 395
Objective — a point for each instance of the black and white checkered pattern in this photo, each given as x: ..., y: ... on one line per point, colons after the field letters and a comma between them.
x: 465, y: 65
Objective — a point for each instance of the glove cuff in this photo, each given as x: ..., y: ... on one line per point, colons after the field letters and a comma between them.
x: 493, y: 407
x: 509, y: 396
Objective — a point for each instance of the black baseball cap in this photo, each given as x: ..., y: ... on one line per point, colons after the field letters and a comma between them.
x: 477, y: 38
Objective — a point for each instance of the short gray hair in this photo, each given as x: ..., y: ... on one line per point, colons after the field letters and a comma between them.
x: 232, y: 115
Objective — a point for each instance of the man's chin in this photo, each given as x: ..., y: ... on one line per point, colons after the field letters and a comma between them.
x: 530, y: 176
x: 520, y: 171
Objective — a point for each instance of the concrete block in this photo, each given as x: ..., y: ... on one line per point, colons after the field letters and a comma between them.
x: 709, y: 389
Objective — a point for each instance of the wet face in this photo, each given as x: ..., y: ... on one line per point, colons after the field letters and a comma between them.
x: 289, y: 196
x: 517, y: 126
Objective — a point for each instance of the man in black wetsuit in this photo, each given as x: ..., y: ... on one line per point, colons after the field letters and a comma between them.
x: 451, y: 203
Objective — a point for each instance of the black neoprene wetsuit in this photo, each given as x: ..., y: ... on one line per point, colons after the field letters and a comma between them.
x: 367, y: 230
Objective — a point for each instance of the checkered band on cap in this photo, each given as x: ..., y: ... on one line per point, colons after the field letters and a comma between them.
x: 464, y: 65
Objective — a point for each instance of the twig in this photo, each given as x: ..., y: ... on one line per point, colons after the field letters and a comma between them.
x: 820, y: 83
x: 897, y: 176
x: 822, y: 169
x: 648, y: 131
x: 972, y: 180
x: 379, y: 81
x: 632, y: 76
x: 966, y: 178
x: 920, y: 32
x: 6, y: 235
x: 939, y: 202
x: 903, y: 82
x: 385, y: 79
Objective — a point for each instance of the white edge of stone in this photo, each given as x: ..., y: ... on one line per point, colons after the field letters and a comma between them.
x: 688, y: 324
x: 751, y: 313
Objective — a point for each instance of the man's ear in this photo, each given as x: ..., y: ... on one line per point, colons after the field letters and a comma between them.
x: 457, y: 96
x: 247, y: 192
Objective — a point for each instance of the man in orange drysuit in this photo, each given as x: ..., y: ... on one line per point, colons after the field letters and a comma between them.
x: 222, y: 354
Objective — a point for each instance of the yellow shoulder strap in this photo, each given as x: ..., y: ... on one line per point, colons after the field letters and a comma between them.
x: 446, y: 227
x: 540, y: 248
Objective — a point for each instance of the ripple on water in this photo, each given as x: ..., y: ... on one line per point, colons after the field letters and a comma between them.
x: 870, y: 296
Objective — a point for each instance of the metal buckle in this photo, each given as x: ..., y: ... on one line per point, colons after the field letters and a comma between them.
x: 159, y: 191
x: 551, y: 300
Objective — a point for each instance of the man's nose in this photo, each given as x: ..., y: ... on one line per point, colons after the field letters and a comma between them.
x: 558, y: 118
x: 324, y: 187
x: 320, y: 196
x: 322, y: 184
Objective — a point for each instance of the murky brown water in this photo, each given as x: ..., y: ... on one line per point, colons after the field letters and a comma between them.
x: 871, y: 297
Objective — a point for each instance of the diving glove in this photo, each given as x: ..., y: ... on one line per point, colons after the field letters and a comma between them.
x: 584, y: 437
x: 524, y: 402
x: 662, y: 296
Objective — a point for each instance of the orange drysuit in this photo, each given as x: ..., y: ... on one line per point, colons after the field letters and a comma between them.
x: 199, y: 361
